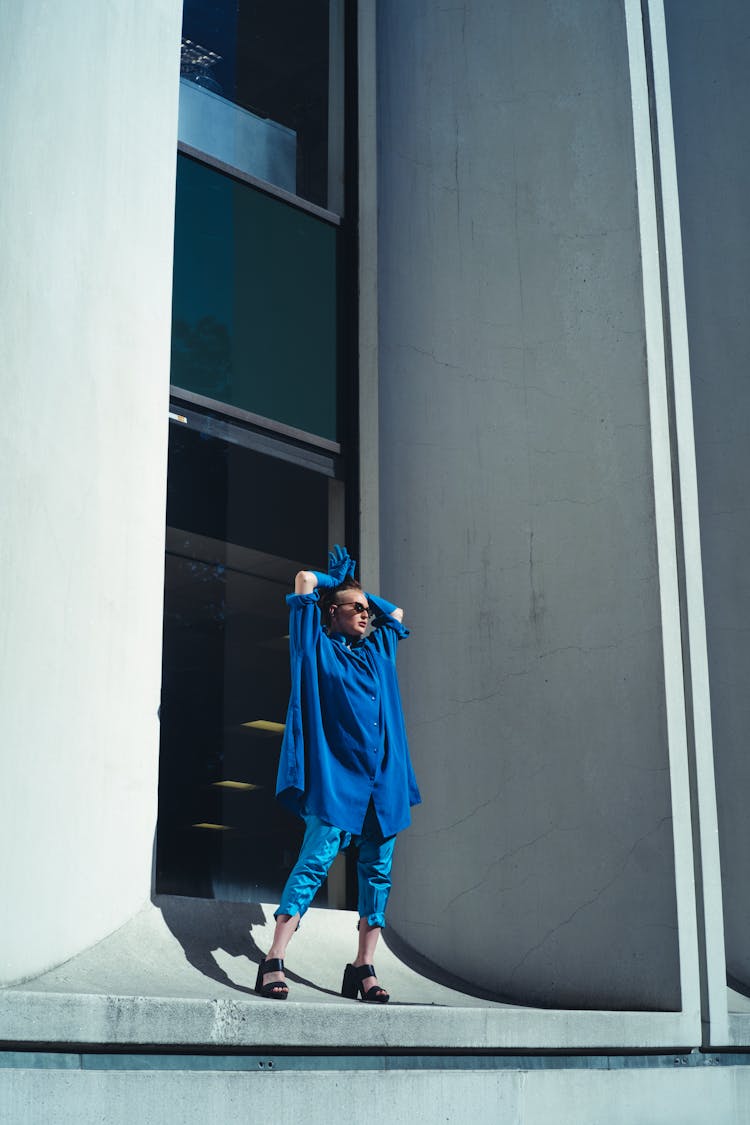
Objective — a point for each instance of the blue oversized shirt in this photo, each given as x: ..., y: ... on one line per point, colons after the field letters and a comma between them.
x: 345, y: 739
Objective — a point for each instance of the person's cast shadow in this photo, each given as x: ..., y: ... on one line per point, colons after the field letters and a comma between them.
x: 204, y: 926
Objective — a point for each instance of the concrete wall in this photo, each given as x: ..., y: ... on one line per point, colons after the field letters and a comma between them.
x: 709, y: 57
x: 499, y: 1097
x: 517, y: 504
x: 88, y: 121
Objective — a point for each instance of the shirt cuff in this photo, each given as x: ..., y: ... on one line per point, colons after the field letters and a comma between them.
x: 293, y: 600
x: 385, y: 619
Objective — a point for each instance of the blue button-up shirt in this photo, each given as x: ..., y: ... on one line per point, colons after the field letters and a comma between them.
x: 345, y: 739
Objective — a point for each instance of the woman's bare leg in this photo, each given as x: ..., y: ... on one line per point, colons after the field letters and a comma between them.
x: 368, y: 940
x: 286, y: 924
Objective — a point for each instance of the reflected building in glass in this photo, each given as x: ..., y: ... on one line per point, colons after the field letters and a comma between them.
x: 260, y: 431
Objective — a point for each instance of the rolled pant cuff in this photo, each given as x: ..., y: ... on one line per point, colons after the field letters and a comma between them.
x: 374, y: 920
x: 290, y: 908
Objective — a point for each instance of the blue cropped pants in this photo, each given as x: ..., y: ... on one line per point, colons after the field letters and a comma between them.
x: 321, y: 845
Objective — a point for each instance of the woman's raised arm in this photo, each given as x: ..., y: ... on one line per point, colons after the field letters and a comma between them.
x: 340, y: 564
x: 385, y: 607
x: 305, y: 581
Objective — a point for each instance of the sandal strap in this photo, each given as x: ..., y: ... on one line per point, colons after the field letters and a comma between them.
x: 363, y: 971
x: 376, y: 990
x: 273, y: 965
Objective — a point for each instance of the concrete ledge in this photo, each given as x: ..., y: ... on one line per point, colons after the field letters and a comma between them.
x: 739, y: 1029
x: 690, y: 1096
x: 181, y: 974
x: 48, y: 1018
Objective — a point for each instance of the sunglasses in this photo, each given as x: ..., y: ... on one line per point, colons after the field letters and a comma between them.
x: 358, y: 607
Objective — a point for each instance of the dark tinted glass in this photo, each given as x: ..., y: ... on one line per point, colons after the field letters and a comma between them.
x: 259, y: 89
x: 239, y: 527
x: 255, y: 301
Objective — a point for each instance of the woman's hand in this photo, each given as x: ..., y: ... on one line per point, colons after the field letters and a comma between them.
x: 340, y: 564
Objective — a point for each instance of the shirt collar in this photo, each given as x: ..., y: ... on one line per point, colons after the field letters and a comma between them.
x: 341, y: 639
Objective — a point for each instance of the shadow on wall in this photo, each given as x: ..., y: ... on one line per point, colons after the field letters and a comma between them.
x: 204, y: 926
x: 430, y: 971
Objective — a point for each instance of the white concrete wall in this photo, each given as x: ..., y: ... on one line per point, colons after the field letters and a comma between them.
x: 517, y: 503
x: 88, y: 120
x: 688, y: 1096
x: 709, y: 57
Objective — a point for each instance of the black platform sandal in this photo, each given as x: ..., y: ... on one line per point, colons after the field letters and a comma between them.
x: 352, y: 984
x: 275, y: 989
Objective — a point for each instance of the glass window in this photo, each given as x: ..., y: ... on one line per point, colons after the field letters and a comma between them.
x: 240, y: 525
x: 261, y: 89
x: 254, y: 301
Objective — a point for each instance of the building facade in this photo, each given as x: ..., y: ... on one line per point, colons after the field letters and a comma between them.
x: 467, y: 286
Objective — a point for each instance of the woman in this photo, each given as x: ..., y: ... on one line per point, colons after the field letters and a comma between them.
x: 345, y: 766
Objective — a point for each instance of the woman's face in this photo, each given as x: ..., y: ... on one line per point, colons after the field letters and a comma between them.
x: 351, y: 614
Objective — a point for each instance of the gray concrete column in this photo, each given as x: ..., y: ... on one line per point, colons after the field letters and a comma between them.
x: 709, y: 56
x: 88, y: 121
x: 517, y: 510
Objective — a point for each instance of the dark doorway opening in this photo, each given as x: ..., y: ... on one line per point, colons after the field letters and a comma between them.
x: 239, y: 526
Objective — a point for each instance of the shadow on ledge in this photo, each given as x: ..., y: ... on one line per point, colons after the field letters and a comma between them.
x: 203, y: 926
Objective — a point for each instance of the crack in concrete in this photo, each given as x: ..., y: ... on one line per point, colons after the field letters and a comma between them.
x: 493, y: 377
x: 461, y: 820
x: 513, y: 778
x: 594, y: 233
x: 595, y: 898
x: 490, y: 694
x: 435, y: 719
x: 577, y: 648
x: 569, y: 500
x: 645, y: 769
x: 433, y: 357
x: 503, y: 859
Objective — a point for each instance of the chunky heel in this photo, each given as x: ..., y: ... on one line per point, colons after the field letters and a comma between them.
x: 352, y: 984
x: 349, y: 984
x: 275, y: 989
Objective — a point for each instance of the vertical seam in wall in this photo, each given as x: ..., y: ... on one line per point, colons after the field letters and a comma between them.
x: 697, y: 687
x: 369, y: 471
x: 657, y: 373
x: 676, y: 492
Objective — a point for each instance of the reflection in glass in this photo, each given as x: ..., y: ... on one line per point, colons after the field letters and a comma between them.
x: 260, y: 90
x: 254, y: 301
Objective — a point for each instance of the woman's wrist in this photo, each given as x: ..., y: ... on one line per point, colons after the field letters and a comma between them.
x: 324, y: 581
x: 382, y: 605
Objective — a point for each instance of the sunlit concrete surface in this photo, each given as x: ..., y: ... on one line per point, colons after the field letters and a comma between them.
x: 738, y: 1008
x: 182, y: 972
x: 719, y: 1095
x: 88, y: 123
x: 200, y: 949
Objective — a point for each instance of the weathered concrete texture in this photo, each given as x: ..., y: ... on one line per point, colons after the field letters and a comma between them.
x: 88, y: 121
x: 511, y: 1097
x: 517, y: 523
x: 183, y: 975
x: 709, y: 57
x: 738, y: 1007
